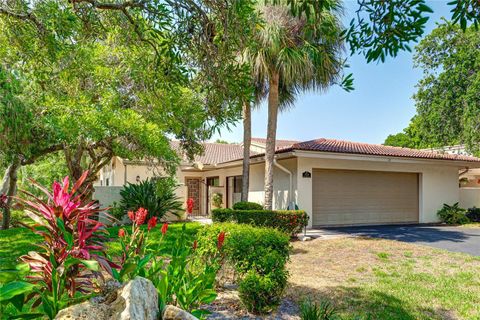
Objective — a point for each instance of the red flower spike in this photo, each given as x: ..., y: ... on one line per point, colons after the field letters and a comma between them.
x: 164, y: 228
x: 131, y: 215
x: 152, y: 223
x: 190, y: 204
x: 195, y: 245
x: 140, y: 216
x: 221, y: 239
x: 121, y: 233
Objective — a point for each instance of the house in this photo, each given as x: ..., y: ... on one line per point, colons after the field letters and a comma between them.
x: 336, y: 182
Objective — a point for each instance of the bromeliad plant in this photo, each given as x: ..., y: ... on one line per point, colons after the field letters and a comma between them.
x: 182, y: 277
x: 69, y: 258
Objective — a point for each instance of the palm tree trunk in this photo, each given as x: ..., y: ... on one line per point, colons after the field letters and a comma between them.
x: 9, y: 187
x: 273, y: 103
x: 247, y: 139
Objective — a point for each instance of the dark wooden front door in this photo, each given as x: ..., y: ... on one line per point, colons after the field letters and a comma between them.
x: 193, y: 191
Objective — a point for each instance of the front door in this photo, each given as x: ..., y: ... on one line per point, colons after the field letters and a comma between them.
x: 193, y: 191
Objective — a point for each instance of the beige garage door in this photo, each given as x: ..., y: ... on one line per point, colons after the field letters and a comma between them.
x: 349, y: 197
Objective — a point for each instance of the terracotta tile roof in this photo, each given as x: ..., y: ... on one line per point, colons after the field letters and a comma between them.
x: 214, y: 153
x: 280, y: 144
x: 339, y: 146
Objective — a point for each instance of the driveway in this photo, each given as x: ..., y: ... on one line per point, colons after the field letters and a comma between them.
x: 456, y: 239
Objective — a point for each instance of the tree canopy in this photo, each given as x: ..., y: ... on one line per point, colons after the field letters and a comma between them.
x: 448, y: 100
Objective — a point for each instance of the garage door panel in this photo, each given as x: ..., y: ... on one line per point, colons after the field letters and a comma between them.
x: 346, y: 197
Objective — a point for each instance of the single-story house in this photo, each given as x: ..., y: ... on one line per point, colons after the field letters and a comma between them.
x: 336, y: 182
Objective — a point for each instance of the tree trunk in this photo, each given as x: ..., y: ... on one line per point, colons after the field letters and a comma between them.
x: 247, y: 139
x: 273, y: 103
x: 9, y: 187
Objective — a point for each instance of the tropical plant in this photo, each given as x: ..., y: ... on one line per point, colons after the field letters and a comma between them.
x: 217, y: 200
x: 71, y: 254
x: 324, y: 310
x: 291, y: 54
x: 245, y: 205
x: 156, y: 196
x: 453, y: 214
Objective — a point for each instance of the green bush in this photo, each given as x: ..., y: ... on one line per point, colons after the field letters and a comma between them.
x: 324, y: 310
x: 156, y: 195
x: 261, y: 294
x: 473, y: 214
x: 258, y: 255
x: 289, y: 221
x: 247, y: 247
x: 453, y: 214
x: 245, y: 205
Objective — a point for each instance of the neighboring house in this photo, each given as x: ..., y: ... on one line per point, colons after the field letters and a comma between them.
x: 336, y: 182
x: 469, y: 178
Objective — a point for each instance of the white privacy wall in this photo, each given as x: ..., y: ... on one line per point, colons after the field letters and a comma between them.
x: 438, y: 182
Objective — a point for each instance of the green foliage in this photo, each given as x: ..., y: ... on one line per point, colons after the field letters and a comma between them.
x: 272, y: 247
x: 245, y: 205
x: 473, y: 214
x: 447, y: 99
x: 288, y: 221
x: 262, y: 273
x: 261, y: 294
x: 156, y: 195
x: 453, y: 214
x: 116, y: 211
x: 324, y: 310
x: 217, y: 200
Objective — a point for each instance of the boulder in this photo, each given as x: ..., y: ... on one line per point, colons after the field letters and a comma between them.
x: 174, y: 313
x: 137, y: 300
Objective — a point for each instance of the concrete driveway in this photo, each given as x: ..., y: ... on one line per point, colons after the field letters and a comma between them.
x: 457, y: 239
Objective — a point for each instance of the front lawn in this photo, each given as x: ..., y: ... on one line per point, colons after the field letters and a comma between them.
x: 383, y: 279
x: 18, y: 241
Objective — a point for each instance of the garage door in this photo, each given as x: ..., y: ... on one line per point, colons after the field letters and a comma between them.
x: 349, y: 197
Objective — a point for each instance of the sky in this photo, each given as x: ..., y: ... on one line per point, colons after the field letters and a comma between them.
x: 381, y: 103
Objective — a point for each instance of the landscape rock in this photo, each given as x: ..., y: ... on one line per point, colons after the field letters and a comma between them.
x: 174, y: 313
x: 137, y: 300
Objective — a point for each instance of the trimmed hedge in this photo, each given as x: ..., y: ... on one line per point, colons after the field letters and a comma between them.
x: 245, y: 205
x: 289, y: 221
x: 258, y: 256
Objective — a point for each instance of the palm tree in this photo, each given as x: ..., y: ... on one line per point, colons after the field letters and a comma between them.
x: 293, y: 54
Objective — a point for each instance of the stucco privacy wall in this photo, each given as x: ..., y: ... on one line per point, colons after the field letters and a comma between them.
x: 469, y: 197
x: 438, y: 183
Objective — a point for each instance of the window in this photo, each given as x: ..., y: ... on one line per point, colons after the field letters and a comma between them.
x: 213, y: 181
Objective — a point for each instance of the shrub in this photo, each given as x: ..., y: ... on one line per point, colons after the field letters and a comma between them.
x: 453, y: 214
x: 156, y: 195
x: 258, y: 255
x: 324, y: 310
x: 245, y: 205
x: 247, y: 247
x: 289, y: 221
x: 473, y: 214
x: 70, y: 257
x: 217, y: 200
x: 262, y: 293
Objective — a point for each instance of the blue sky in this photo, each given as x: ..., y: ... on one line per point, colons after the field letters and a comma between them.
x: 381, y: 103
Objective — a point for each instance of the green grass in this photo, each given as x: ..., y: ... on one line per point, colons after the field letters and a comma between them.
x: 389, y: 280
x: 19, y: 241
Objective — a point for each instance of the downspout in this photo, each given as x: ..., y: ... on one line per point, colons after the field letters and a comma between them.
x: 291, y: 205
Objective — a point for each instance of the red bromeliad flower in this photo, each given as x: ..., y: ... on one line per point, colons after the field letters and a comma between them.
x: 140, y: 216
x: 190, y: 204
x: 131, y: 215
x: 152, y: 223
x: 164, y: 228
x: 221, y: 239
x: 121, y: 233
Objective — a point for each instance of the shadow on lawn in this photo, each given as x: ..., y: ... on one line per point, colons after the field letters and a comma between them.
x: 358, y: 303
x: 409, y: 233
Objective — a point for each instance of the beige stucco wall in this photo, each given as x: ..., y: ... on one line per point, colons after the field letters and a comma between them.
x: 469, y: 197
x: 438, y: 183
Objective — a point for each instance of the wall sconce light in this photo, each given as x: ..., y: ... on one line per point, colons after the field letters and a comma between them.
x: 137, y: 179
